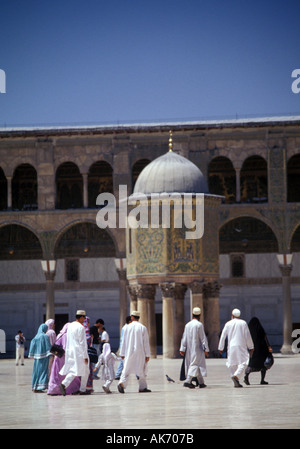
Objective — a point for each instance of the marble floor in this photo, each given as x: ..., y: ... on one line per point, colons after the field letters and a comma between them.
x: 168, y: 406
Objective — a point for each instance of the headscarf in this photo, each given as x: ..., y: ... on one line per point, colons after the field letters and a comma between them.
x: 40, y: 345
x: 50, y: 332
x: 62, y: 336
x: 256, y: 330
x: 86, y: 325
x: 106, y: 351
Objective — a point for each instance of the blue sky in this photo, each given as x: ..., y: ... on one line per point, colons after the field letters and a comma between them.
x: 79, y: 62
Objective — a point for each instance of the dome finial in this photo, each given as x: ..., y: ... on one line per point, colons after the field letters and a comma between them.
x: 170, y: 141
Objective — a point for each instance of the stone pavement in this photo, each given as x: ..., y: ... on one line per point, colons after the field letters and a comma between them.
x: 169, y: 406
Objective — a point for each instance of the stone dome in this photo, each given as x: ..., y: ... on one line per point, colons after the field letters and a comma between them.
x: 171, y: 173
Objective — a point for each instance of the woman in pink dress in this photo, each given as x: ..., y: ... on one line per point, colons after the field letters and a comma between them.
x: 55, y: 377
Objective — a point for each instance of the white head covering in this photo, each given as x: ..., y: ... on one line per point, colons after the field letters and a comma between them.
x: 236, y: 313
x: 135, y: 313
x: 196, y: 311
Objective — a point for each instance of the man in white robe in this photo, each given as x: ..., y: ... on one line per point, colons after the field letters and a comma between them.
x: 135, y: 351
x: 194, y: 347
x: 240, y: 345
x: 76, y: 355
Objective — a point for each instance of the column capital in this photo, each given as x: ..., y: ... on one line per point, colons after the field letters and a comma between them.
x: 122, y: 273
x: 179, y: 291
x: 146, y: 291
x: 197, y: 286
x: 133, y: 291
x: 167, y: 289
x: 286, y: 269
x: 212, y: 289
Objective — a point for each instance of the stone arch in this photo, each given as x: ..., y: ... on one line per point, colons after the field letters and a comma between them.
x: 294, y: 242
x: 254, y: 180
x: 137, y: 168
x: 293, y: 179
x: 3, y: 190
x: 222, y: 178
x: 24, y: 188
x: 245, y: 234
x: 69, y: 186
x: 84, y: 239
x: 100, y: 180
x: 19, y: 242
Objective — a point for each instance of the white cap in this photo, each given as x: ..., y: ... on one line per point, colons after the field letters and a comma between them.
x: 196, y: 311
x: 135, y: 313
x: 236, y: 313
x: 81, y: 312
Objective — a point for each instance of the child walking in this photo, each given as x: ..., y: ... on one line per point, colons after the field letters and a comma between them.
x: 107, y: 358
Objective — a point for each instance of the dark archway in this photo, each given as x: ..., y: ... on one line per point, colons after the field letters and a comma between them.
x: 247, y: 235
x: 254, y: 180
x: 222, y: 178
x: 24, y: 188
x: 137, y: 169
x: 84, y: 240
x: 100, y: 180
x: 293, y: 179
x: 3, y: 190
x: 69, y: 187
x: 19, y: 243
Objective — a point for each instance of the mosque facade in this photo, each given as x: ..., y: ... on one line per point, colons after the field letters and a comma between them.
x: 51, y: 178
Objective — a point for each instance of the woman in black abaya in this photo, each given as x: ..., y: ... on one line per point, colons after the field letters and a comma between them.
x: 262, y: 350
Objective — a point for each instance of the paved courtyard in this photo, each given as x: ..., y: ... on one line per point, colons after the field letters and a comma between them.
x: 169, y: 406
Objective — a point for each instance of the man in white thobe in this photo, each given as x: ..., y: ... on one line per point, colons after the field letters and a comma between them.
x: 194, y: 347
x: 76, y: 355
x: 135, y: 351
x: 240, y: 345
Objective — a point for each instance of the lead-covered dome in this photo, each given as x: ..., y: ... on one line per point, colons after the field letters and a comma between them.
x: 171, y: 173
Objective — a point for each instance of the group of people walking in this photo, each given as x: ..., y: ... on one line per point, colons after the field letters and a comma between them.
x: 73, y: 372
x: 247, y: 349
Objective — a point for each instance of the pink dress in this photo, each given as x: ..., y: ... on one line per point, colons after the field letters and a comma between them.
x: 55, y: 378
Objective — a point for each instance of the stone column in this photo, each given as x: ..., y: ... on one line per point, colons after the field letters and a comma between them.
x: 179, y: 318
x: 146, y: 305
x: 167, y: 289
x: 196, y: 298
x: 238, y: 185
x: 123, y: 296
x: 85, y: 190
x: 50, y: 308
x: 49, y: 269
x: 286, y: 309
x: 9, y: 194
x: 133, y: 291
x: 212, y: 316
x: 142, y: 304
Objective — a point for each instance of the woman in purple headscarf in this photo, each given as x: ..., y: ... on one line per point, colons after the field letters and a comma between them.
x: 55, y: 377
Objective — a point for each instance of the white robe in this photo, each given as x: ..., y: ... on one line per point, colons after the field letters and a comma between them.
x: 239, y: 341
x: 135, y: 348
x: 108, y: 372
x: 194, y: 343
x: 76, y: 351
